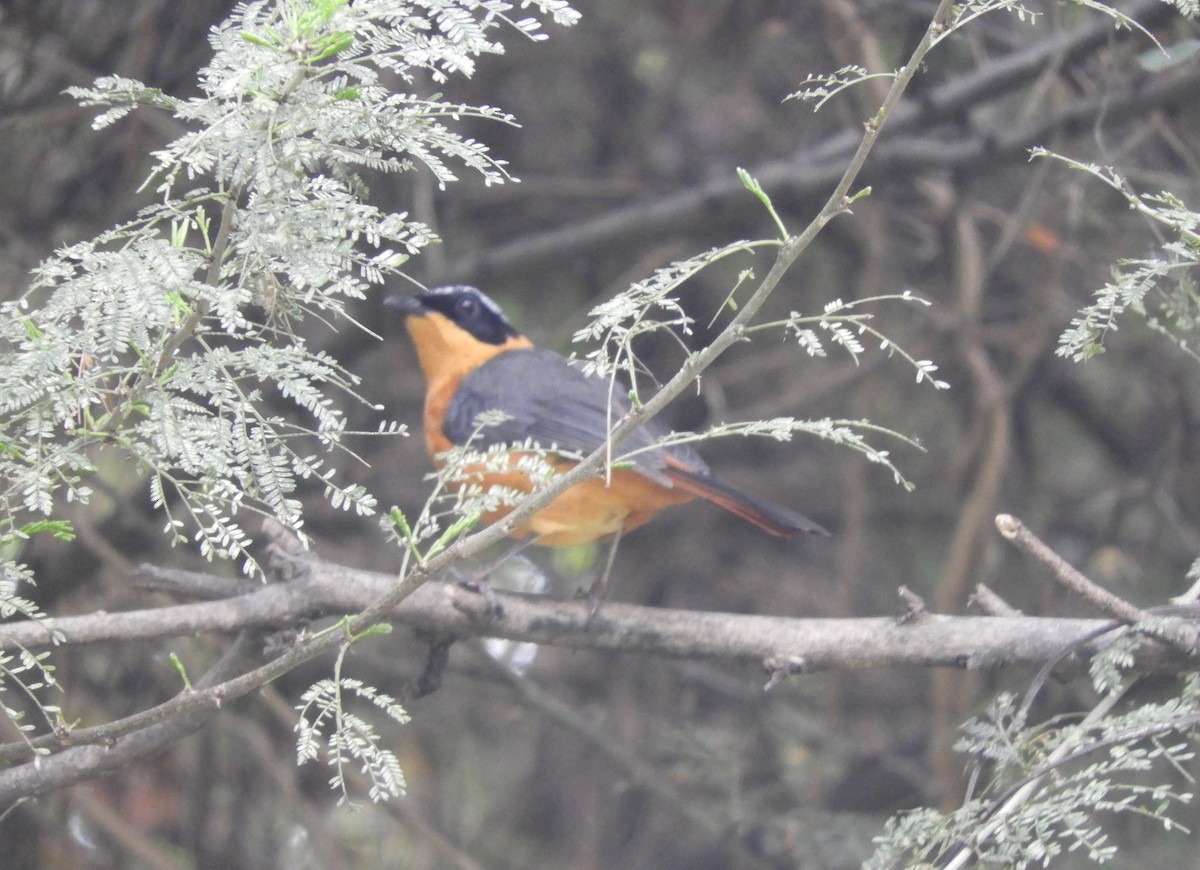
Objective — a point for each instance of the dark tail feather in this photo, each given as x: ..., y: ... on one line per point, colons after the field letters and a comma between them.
x: 768, y: 517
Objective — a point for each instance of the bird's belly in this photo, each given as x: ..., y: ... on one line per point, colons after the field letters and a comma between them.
x: 590, y: 510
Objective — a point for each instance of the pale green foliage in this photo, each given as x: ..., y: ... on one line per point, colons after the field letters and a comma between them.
x: 327, y: 727
x: 965, y: 13
x: 649, y: 305
x: 1160, y: 290
x: 845, y: 433
x: 460, y: 497
x: 845, y: 324
x: 27, y: 675
x: 146, y: 339
x: 169, y: 341
x: 1050, y: 788
x: 466, y: 467
x: 819, y: 88
x: 24, y: 673
x: 1108, y: 667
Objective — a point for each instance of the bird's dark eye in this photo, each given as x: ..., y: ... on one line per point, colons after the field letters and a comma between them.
x: 470, y: 310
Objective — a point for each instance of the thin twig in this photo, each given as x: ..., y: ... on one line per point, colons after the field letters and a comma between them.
x: 1178, y: 633
x: 986, y: 599
x: 803, y: 176
x: 1066, y: 574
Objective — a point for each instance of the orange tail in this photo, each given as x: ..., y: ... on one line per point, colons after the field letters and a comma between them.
x: 768, y: 517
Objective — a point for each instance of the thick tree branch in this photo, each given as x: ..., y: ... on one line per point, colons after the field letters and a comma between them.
x: 446, y: 608
x: 783, y: 645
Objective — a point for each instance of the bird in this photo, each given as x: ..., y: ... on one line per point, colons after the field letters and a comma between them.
x: 474, y: 360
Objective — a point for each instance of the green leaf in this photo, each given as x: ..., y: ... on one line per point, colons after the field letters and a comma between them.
x: 457, y: 530
x: 401, y: 522
x: 377, y: 628
x: 751, y: 184
x: 255, y: 39
x: 62, y: 530
x: 855, y: 197
x: 331, y: 45
x: 177, y: 664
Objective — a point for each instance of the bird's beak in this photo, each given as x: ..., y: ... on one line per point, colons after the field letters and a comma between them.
x: 406, y: 305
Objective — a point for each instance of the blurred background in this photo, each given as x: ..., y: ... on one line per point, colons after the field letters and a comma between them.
x: 631, y: 127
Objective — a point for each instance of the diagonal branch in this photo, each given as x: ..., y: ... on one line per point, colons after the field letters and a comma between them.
x: 907, y: 146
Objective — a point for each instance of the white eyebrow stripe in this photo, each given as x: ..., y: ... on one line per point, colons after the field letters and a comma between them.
x: 484, y: 300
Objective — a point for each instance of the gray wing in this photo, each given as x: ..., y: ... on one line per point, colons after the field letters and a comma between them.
x: 553, y: 403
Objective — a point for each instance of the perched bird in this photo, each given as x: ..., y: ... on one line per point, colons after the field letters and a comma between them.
x: 474, y: 361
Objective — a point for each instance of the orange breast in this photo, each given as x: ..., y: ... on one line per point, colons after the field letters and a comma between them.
x: 437, y: 400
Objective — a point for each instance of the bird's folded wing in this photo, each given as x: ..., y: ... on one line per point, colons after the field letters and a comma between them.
x: 550, y: 402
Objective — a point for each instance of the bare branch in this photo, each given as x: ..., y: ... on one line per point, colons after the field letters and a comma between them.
x: 986, y: 599
x: 314, y: 588
x: 1066, y: 573
x: 1180, y: 634
x: 448, y: 609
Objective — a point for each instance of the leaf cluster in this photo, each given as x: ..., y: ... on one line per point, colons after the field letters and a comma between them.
x: 169, y: 344
x: 1160, y: 291
x: 171, y: 337
x: 1051, y: 787
x: 327, y: 727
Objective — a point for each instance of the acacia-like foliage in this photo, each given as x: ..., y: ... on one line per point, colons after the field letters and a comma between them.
x: 169, y: 342
x: 1041, y: 789
x: 1161, y: 290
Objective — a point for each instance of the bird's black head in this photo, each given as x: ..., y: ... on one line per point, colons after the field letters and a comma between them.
x: 466, y: 307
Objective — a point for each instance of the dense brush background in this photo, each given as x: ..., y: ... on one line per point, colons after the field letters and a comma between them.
x: 632, y: 125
